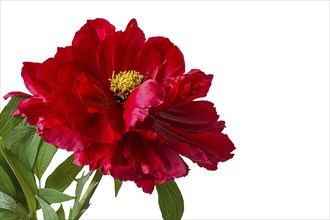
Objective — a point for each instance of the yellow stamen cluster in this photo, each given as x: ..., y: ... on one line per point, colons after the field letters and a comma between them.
x: 124, y: 83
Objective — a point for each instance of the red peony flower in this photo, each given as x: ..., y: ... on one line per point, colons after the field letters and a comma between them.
x: 123, y: 103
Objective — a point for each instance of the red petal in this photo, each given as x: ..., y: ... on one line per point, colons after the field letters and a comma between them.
x: 215, y: 145
x: 195, y: 116
x: 160, y: 59
x: 104, y: 125
x: 120, y: 52
x: 33, y: 83
x: 33, y: 109
x: 86, y: 43
x: 153, y: 161
x: 58, y: 134
x: 194, y: 84
x: 97, y: 155
x: 11, y: 94
x: 92, y: 93
x: 136, y: 108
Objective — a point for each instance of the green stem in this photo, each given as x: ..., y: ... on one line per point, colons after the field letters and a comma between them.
x: 89, y: 192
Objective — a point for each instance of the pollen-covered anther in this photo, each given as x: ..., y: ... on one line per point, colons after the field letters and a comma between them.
x: 123, y: 83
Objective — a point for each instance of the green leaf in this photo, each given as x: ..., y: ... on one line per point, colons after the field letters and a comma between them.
x: 25, y: 177
x: 118, y: 184
x: 6, y: 185
x: 19, y: 192
x: 26, y: 149
x: 170, y: 201
x: 8, y: 203
x: 60, y: 213
x: 7, y: 121
x: 53, y: 196
x: 45, y: 155
x: 9, y: 215
x: 17, y: 134
x: 84, y: 202
x: 79, y: 188
x: 63, y: 175
x: 47, y: 211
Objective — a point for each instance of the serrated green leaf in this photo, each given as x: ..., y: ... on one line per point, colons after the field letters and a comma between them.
x: 118, y: 184
x: 25, y: 177
x: 6, y: 185
x: 53, y: 196
x: 63, y: 175
x: 44, y: 157
x: 26, y: 149
x: 80, y: 185
x: 47, y: 211
x: 170, y: 201
x: 7, y: 121
x: 8, y: 203
x: 60, y: 213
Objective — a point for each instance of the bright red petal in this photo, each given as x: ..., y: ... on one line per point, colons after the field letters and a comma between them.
x: 160, y: 59
x: 58, y: 134
x: 86, y: 45
x: 184, y: 89
x: 136, y: 108
x: 33, y: 109
x: 120, y: 51
x: 11, y: 94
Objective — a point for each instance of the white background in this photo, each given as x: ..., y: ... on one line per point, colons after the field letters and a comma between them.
x: 271, y: 65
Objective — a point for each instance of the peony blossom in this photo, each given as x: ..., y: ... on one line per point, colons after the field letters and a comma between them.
x: 125, y: 104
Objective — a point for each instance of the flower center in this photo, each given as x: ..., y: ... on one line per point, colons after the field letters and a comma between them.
x: 124, y: 83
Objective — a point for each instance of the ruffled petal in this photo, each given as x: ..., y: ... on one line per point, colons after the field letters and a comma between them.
x: 33, y: 109
x: 184, y: 89
x: 153, y: 161
x: 86, y: 44
x: 197, y: 116
x: 120, y: 52
x: 136, y: 108
x: 216, y: 146
x: 58, y: 134
x: 160, y: 59
x: 97, y: 155
x: 103, y: 126
x: 33, y: 84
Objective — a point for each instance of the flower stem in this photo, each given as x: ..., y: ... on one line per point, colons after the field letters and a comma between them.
x: 89, y: 193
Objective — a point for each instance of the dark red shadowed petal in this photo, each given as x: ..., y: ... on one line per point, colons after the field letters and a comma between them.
x: 136, y: 108
x: 193, y: 117
x: 120, y: 52
x: 194, y: 84
x: 96, y: 156
x: 86, y: 44
x: 203, y: 132
x: 100, y: 126
x: 160, y: 59
x: 153, y: 161
x: 92, y: 93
